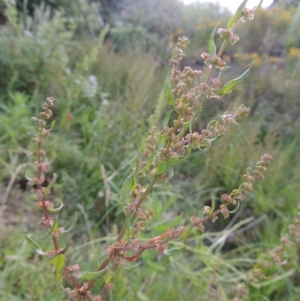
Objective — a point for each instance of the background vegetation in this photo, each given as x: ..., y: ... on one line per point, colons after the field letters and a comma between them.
x: 104, y: 62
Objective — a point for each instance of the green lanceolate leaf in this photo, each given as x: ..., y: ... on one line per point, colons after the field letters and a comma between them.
x: 214, y: 123
x: 55, y: 210
x: 128, y: 222
x: 170, y: 171
x: 73, y: 223
x: 237, y: 15
x: 25, y: 173
x: 126, y: 187
x: 213, y: 206
x: 52, y: 125
x: 162, y: 141
x: 134, y: 183
x: 191, y: 122
x: 34, y: 245
x: 47, y: 190
x: 55, y: 225
x: 187, y: 232
x: 90, y: 276
x: 167, y: 118
x: 53, y: 156
x: 163, y: 166
x: 131, y: 267
x: 129, y: 184
x: 58, y: 262
x: 103, y: 33
x: 227, y: 88
x: 176, y: 221
x: 52, y: 159
x: 236, y: 208
x: 211, y: 44
x: 108, y: 277
x: 174, y: 251
x: 168, y: 94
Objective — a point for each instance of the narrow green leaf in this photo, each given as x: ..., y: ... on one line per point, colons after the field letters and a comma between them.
x: 178, y: 160
x: 176, y: 221
x: 214, y: 123
x: 187, y: 232
x: 168, y: 94
x: 236, y: 208
x: 211, y: 44
x: 134, y: 183
x: 53, y: 156
x: 170, y: 171
x: 204, y: 146
x: 47, y: 190
x: 55, y: 210
x: 127, y: 184
x: 52, y: 125
x: 227, y: 88
x: 34, y: 245
x: 213, y: 206
x: 136, y: 171
x: 142, y: 296
x: 167, y: 118
x: 55, y: 225
x: 174, y: 251
x: 128, y: 221
x: 58, y: 262
x: 25, y: 172
x: 237, y: 15
x: 274, y: 279
x: 107, y: 277
x: 191, y: 122
x: 90, y: 276
x: 162, y: 141
x: 73, y: 223
x: 131, y: 267
x: 103, y: 33
x: 163, y: 166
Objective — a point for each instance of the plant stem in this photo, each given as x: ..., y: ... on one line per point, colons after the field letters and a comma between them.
x: 122, y: 232
x: 145, y: 194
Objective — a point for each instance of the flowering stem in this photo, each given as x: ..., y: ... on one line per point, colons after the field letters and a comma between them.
x: 145, y: 194
x: 122, y: 232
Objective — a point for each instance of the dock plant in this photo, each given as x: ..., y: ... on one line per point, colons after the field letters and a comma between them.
x: 164, y: 148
